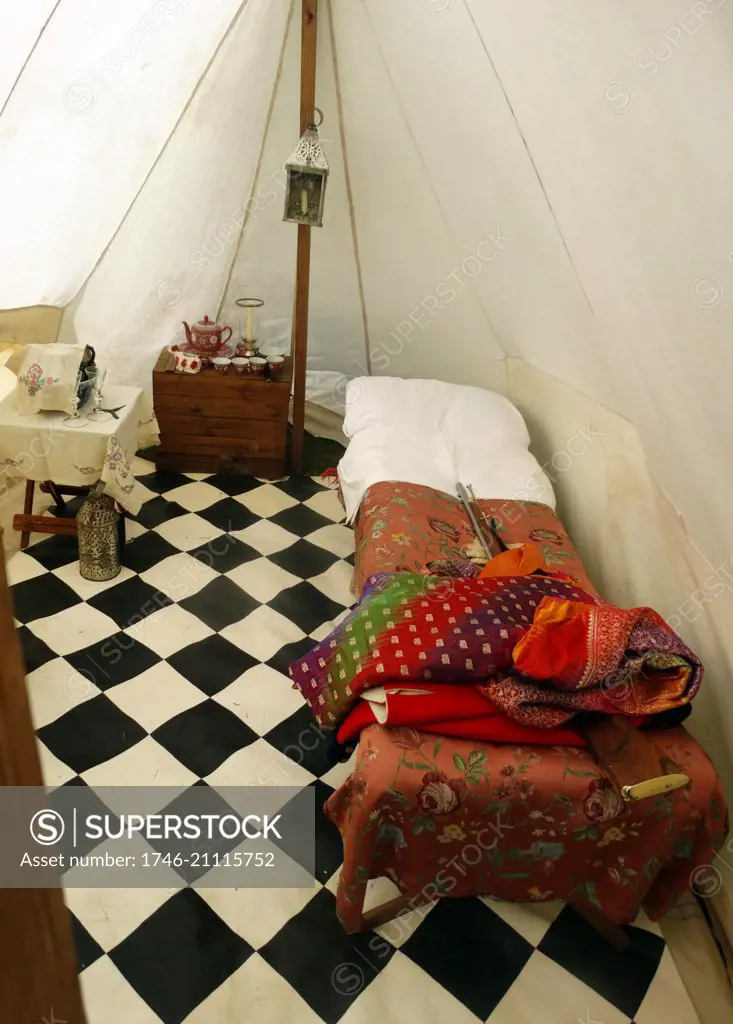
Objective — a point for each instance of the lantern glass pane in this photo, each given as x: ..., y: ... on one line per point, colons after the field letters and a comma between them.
x: 304, y: 197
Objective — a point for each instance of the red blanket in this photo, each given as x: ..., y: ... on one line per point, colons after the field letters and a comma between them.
x: 450, y: 711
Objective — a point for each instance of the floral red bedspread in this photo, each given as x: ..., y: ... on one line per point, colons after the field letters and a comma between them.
x: 404, y: 526
x: 460, y: 818
x: 454, y: 816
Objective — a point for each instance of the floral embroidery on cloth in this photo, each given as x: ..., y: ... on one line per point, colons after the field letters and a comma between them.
x: 116, y: 462
x: 34, y: 380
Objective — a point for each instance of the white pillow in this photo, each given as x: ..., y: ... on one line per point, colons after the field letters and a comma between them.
x: 376, y: 454
x: 423, y: 407
x: 435, y: 434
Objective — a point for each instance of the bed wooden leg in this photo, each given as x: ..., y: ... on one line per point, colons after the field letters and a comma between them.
x: 25, y: 536
x: 388, y: 911
x: 612, y: 933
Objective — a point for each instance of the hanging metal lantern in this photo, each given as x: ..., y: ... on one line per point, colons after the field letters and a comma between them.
x: 99, y: 537
x: 307, y: 176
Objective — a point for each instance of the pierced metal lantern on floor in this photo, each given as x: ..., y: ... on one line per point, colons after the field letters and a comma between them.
x: 307, y: 169
x: 99, y: 536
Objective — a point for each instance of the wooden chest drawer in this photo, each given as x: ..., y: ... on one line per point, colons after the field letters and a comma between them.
x: 214, y: 422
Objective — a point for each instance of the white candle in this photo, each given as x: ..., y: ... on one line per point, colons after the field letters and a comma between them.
x: 304, y: 202
x: 249, y: 324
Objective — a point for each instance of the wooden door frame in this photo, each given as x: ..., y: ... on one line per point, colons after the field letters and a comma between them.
x: 40, y: 983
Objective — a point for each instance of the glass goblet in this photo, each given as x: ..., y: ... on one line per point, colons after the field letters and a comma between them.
x: 96, y: 376
x: 75, y: 419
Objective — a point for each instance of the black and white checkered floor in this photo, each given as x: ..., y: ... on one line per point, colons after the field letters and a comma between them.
x: 173, y: 673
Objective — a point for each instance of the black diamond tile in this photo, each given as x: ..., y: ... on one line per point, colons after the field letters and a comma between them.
x: 327, y: 968
x: 329, y: 844
x: 55, y: 552
x: 196, y: 800
x: 179, y: 956
x: 445, y: 943
x: 84, y: 798
x: 300, y: 520
x: 300, y: 487
x: 304, y: 559
x: 158, y: 510
x: 35, y: 652
x: 147, y: 550
x: 114, y: 660
x: 163, y: 480
x: 290, y: 653
x: 203, y: 737
x: 301, y: 739
x: 88, y: 950
x: 91, y: 733
x: 233, y: 483
x: 307, y: 607
x: 41, y: 596
x: 225, y: 553
x: 220, y: 603
x: 130, y: 602
x: 211, y: 664
x: 229, y: 515
x: 621, y: 978
x: 327, y: 854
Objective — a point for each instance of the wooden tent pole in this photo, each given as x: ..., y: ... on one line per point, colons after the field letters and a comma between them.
x: 309, y: 39
x: 36, y: 948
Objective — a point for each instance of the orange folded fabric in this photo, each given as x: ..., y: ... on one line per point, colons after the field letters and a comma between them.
x: 521, y: 561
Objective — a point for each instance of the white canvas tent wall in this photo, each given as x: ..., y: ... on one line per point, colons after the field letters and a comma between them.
x: 529, y: 197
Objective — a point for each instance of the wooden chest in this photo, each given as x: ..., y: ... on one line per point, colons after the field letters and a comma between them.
x: 212, y: 422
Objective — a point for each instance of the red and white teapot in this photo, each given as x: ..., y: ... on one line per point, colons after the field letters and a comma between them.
x: 206, y: 337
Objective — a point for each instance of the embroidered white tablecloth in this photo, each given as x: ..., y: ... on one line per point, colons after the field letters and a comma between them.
x: 42, y: 447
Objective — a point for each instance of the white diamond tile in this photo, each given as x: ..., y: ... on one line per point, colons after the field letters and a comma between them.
x: 188, y: 532
x: 169, y: 630
x: 547, y: 992
x: 55, y: 688
x: 110, y: 999
x: 156, y: 696
x: 22, y: 567
x: 261, y: 697
x: 74, y: 629
x: 262, y: 579
x: 326, y: 503
x: 110, y: 915
x: 195, y: 496
x: 335, y: 583
x: 263, y: 633
x: 260, y: 764
x: 267, y: 998
x: 402, y: 991
x: 339, y: 540
x: 266, y: 537
x: 267, y: 500
x: 179, y: 576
